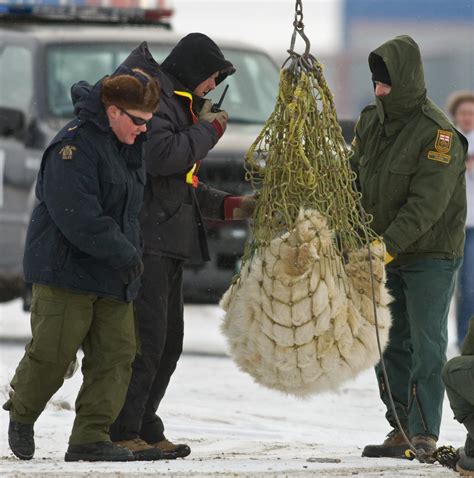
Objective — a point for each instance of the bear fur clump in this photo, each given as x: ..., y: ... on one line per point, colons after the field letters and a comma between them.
x: 301, y: 319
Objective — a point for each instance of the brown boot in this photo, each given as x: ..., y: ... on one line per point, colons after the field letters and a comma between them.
x: 394, y: 446
x: 172, y: 451
x: 425, y: 446
x: 141, y: 450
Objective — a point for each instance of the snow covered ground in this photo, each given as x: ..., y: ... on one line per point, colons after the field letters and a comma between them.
x: 234, y: 427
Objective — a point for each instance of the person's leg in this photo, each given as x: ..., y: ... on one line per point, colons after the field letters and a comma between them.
x: 465, y: 293
x: 60, y: 319
x: 397, y: 355
x: 397, y: 359
x: 152, y: 429
x: 151, y: 309
x: 458, y: 377
x: 429, y: 289
x: 109, y: 350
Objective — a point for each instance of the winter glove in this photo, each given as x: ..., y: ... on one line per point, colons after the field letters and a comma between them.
x: 387, y: 258
x: 218, y: 120
x: 132, y: 272
x: 239, y: 207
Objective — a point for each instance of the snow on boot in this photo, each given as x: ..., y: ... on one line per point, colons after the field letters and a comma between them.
x: 99, y: 451
x: 21, y: 440
x: 171, y: 451
x: 141, y: 450
x: 394, y: 446
x: 425, y: 446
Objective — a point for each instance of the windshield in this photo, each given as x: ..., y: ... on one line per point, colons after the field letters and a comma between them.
x: 250, y: 98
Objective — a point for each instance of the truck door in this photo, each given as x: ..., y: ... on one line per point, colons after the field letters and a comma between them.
x: 16, y: 159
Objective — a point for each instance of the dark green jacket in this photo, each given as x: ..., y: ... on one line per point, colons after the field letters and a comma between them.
x: 409, y: 161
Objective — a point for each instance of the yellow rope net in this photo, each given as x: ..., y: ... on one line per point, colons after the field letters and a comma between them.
x: 300, y: 313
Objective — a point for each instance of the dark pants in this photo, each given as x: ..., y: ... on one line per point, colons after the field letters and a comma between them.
x: 458, y: 376
x: 62, y: 321
x: 159, y: 312
x: 416, y: 352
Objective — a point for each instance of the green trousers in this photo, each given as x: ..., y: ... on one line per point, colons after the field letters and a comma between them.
x: 416, y: 352
x: 62, y: 321
x: 458, y: 376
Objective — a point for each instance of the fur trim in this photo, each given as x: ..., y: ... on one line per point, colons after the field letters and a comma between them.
x: 300, y: 320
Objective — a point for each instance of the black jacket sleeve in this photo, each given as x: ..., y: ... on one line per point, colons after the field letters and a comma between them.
x: 71, y: 192
x: 173, y: 149
x: 211, y: 201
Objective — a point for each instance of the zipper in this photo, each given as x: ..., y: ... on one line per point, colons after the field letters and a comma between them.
x: 414, y: 399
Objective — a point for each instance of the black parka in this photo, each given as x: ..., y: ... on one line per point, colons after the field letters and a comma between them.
x: 90, y: 191
x: 171, y: 217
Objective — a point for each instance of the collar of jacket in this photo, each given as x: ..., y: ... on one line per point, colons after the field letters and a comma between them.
x: 189, y: 97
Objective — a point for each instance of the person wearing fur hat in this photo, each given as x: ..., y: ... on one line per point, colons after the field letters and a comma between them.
x: 409, y: 160
x: 83, y: 256
x: 183, y: 131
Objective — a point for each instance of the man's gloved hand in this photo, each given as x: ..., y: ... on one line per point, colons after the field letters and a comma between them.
x: 387, y: 258
x: 132, y: 272
x: 239, y: 207
x: 218, y: 120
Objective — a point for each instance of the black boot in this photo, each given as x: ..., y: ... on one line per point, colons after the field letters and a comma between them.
x: 21, y: 440
x: 99, y: 451
x: 394, y: 446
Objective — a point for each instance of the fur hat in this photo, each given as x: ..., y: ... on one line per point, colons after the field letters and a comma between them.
x: 131, y: 89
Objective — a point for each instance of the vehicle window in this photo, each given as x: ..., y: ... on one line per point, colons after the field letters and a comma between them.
x: 68, y: 64
x: 252, y: 89
x: 250, y: 98
x: 16, y: 77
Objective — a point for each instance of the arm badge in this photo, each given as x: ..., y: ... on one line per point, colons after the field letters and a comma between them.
x: 444, y: 141
x: 67, y: 152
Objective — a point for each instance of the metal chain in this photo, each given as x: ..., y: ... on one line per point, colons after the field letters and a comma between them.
x: 298, y: 23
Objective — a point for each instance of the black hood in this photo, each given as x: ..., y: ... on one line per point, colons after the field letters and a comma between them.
x: 141, y: 58
x: 194, y: 59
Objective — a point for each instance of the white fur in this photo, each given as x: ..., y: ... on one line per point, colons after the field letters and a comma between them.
x: 293, y: 324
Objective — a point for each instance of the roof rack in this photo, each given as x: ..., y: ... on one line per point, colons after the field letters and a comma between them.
x: 80, y: 11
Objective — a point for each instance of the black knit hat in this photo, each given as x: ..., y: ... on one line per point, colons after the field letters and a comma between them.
x: 379, y: 69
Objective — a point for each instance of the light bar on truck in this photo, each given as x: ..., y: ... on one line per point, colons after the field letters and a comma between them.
x: 86, y: 11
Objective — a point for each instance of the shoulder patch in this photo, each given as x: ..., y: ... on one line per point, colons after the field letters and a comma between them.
x: 444, y: 141
x: 67, y: 152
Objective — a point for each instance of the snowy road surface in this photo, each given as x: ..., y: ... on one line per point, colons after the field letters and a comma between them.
x: 234, y: 427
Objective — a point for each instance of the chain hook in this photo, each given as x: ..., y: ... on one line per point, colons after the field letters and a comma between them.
x: 298, y: 26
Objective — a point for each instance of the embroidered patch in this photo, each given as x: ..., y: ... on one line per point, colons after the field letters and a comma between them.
x: 441, y: 157
x: 443, y: 141
x: 67, y: 152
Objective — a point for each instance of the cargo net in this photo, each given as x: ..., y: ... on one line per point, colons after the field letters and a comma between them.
x: 300, y: 314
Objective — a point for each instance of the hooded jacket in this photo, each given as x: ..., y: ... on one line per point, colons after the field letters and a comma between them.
x: 90, y: 191
x: 409, y: 161
x: 171, y: 217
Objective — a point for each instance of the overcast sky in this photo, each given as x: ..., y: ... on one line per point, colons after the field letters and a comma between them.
x: 267, y: 23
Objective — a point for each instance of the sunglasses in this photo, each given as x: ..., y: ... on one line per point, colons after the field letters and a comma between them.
x: 135, y: 119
